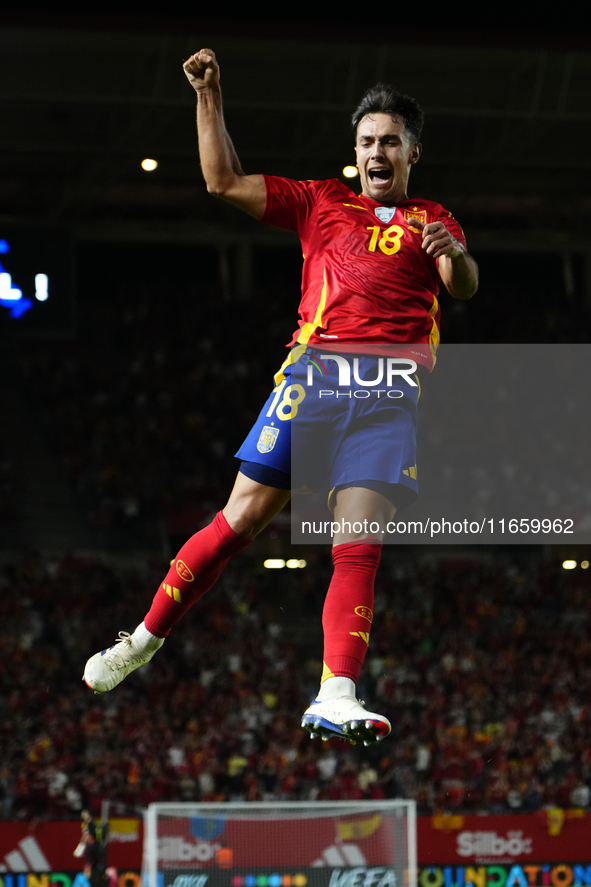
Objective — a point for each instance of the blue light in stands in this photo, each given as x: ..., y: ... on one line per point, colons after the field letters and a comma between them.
x: 11, y: 296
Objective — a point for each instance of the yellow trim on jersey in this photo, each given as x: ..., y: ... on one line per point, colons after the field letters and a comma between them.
x: 293, y: 357
x: 434, y: 336
x: 356, y: 206
x: 309, y: 328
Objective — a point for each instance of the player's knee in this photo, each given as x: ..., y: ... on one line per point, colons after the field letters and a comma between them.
x: 244, y: 518
x: 252, y: 506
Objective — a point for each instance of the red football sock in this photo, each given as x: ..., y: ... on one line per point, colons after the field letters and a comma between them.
x: 348, y: 608
x: 196, y: 567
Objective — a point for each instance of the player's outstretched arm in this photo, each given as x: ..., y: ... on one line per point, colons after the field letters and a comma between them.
x: 457, y: 269
x: 221, y: 168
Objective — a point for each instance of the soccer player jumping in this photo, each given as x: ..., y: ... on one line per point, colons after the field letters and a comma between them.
x: 372, y: 270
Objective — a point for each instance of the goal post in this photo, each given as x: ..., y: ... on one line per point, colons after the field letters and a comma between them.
x: 281, y: 844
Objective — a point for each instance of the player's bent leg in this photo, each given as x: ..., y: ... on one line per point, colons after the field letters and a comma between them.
x: 253, y: 505
x: 346, y: 620
x: 195, y: 569
x: 361, y: 514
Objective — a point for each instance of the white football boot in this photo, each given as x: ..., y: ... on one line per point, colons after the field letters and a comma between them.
x: 108, y: 668
x: 346, y: 718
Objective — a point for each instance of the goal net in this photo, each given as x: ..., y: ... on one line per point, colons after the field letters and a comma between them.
x: 275, y: 844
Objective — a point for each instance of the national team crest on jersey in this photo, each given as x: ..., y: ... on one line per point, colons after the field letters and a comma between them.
x: 267, y: 439
x: 416, y: 213
x: 385, y: 213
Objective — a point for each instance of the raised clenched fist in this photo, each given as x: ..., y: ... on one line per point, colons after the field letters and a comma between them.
x: 202, y: 70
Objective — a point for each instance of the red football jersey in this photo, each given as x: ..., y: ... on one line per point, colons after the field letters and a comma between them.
x: 366, y: 281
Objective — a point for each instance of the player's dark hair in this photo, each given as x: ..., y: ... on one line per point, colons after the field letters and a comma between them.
x: 385, y: 99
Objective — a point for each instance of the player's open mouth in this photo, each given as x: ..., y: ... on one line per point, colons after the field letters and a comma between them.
x: 379, y: 176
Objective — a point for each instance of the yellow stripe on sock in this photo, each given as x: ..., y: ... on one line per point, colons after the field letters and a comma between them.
x: 326, y: 673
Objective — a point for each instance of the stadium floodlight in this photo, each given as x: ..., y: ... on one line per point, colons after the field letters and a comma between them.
x: 274, y: 563
x: 41, y: 287
x: 280, y: 844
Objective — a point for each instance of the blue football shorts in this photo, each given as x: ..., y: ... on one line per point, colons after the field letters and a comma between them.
x: 326, y: 434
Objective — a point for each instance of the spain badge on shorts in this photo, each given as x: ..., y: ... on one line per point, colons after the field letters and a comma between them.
x: 267, y: 439
x: 416, y: 213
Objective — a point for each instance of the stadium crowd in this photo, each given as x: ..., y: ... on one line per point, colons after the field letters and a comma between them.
x: 483, y: 665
